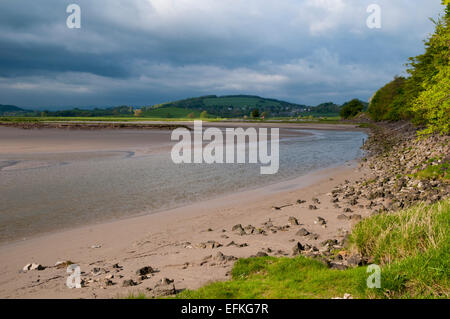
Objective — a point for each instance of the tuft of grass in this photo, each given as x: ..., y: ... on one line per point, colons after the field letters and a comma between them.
x: 407, y: 233
x: 413, y: 246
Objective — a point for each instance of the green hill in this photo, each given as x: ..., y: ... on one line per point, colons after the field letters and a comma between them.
x: 6, y: 110
x: 226, y: 106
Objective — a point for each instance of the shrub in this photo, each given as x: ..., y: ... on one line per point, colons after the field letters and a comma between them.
x: 351, y: 109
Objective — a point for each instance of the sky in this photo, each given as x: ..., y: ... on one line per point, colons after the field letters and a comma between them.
x: 145, y: 52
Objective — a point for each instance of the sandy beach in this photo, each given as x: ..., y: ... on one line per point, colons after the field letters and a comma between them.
x: 182, y: 244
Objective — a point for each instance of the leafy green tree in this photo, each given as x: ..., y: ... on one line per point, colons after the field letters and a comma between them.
x: 204, y: 115
x: 424, y: 95
x: 351, y: 109
x: 255, y: 113
x: 432, y: 105
x: 388, y: 102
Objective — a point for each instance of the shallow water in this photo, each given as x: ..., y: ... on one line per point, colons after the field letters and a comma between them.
x: 46, y: 192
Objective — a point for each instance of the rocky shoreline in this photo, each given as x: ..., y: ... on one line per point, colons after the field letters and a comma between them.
x: 395, y: 155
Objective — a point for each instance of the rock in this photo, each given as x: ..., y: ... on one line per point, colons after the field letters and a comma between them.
x: 32, y: 266
x: 315, y: 201
x: 337, y: 266
x: 223, y: 258
x: 250, y: 229
x: 313, y: 236
x: 293, y: 221
x: 213, y: 244
x: 164, y: 288
x: 261, y: 254
x: 144, y: 271
x: 297, y: 249
x: 347, y: 210
x: 355, y: 260
x: 329, y: 242
x: 107, y: 282
x: 302, y: 232
x: 232, y: 243
x: 301, y: 201
x: 320, y: 221
x: 210, y: 244
x: 129, y: 283
x: 343, y: 217
x: 98, y: 271
x: 63, y: 264
x: 312, y: 207
x: 166, y: 281
x: 238, y: 229
x: 356, y: 217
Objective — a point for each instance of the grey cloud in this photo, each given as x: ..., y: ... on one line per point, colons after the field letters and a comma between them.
x: 144, y: 52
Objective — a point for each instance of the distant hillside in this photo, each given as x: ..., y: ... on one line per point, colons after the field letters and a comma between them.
x: 9, y: 110
x: 228, y: 106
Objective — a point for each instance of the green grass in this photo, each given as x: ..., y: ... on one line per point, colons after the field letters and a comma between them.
x: 412, y: 247
x: 171, y: 112
x: 433, y: 172
x: 283, y: 278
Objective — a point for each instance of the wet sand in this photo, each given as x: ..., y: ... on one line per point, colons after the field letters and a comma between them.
x: 168, y: 241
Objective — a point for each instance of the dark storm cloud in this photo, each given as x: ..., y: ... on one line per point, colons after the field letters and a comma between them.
x: 143, y: 52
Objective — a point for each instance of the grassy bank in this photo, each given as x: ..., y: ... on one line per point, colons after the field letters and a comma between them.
x: 411, y: 246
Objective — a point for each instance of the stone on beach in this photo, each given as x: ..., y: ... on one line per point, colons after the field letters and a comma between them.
x: 320, y: 221
x: 32, y: 266
x: 302, y: 232
x: 144, y: 271
x: 129, y: 283
x: 293, y: 221
x: 297, y: 249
